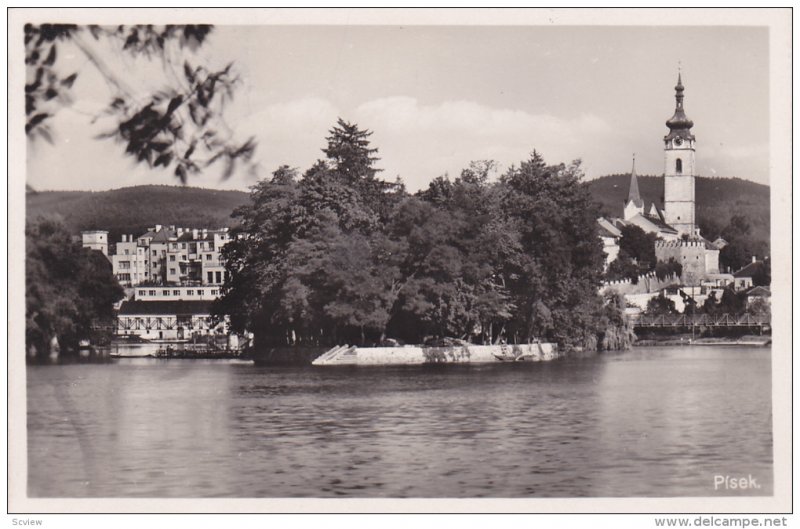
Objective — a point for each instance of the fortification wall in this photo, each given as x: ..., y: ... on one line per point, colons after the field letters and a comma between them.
x: 646, y: 283
x: 690, y: 254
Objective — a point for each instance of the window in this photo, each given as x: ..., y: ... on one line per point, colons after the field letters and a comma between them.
x: 678, y: 166
x: 151, y: 293
x: 213, y: 292
x: 172, y: 271
x: 165, y: 293
x: 211, y: 277
x: 200, y: 292
x: 127, y: 251
x: 219, y: 277
x: 183, y: 246
x: 141, y: 293
x: 208, y: 257
x: 155, y: 252
x: 190, y: 292
x: 176, y: 292
x: 172, y: 258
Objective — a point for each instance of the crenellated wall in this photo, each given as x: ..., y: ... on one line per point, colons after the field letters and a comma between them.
x: 697, y: 260
x: 647, y: 283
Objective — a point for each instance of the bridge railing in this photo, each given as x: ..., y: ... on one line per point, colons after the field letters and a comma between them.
x: 700, y: 320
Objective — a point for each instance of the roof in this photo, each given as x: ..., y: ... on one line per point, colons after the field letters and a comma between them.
x: 762, y: 292
x: 153, y: 308
x: 750, y: 270
x: 659, y: 224
x: 633, y: 190
x: 679, y: 124
x: 607, y: 229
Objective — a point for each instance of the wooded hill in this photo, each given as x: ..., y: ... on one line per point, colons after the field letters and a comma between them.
x: 131, y: 210
x: 134, y: 209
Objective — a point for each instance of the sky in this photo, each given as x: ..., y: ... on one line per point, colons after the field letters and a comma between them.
x: 437, y: 97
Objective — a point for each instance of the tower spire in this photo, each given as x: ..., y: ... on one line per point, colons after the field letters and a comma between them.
x: 633, y: 191
x: 679, y: 124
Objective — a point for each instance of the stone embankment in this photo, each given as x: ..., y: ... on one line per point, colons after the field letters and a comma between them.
x: 419, y: 355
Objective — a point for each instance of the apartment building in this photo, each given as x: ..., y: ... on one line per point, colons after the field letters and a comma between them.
x: 166, y: 255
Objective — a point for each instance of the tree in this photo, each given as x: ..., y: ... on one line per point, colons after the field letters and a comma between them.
x: 758, y: 307
x: 660, y: 304
x: 639, y: 245
x: 178, y: 127
x: 338, y: 256
x: 710, y: 305
x: 67, y: 288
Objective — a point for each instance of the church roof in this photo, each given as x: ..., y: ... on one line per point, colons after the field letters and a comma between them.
x: 679, y: 124
x: 633, y: 191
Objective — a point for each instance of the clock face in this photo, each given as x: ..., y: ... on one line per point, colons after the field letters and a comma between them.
x: 678, y: 141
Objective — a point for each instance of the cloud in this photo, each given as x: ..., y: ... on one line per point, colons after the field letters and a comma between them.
x: 420, y: 142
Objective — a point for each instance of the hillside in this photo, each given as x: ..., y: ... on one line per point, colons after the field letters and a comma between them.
x: 133, y: 209
x: 718, y: 199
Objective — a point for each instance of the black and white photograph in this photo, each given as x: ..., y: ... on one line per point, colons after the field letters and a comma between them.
x: 275, y: 260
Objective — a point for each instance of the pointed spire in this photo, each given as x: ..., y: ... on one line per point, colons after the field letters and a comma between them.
x: 633, y: 191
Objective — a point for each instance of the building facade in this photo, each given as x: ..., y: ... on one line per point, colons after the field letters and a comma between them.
x: 95, y: 240
x: 168, y: 321
x: 171, y: 256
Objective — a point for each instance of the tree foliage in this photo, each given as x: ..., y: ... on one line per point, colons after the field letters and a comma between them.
x: 179, y: 126
x: 338, y: 256
x: 67, y: 287
x: 660, y: 304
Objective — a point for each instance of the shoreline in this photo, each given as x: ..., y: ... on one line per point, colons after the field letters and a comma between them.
x: 765, y: 341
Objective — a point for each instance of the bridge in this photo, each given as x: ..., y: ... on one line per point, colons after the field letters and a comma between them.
x: 689, y: 321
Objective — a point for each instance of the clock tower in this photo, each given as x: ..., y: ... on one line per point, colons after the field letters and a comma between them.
x: 679, y: 170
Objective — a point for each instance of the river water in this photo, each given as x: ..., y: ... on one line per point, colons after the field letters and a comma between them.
x: 654, y: 421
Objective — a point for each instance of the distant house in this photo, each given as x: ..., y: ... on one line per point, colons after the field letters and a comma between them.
x: 610, y: 236
x: 743, y: 278
x: 95, y: 240
x: 168, y: 320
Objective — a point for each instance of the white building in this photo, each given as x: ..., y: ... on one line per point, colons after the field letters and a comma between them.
x: 171, y: 256
x: 95, y: 240
x: 168, y: 320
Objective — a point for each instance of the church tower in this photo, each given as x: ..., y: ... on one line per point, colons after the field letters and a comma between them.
x: 679, y: 170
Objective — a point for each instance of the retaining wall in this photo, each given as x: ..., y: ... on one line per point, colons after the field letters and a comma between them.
x: 417, y: 355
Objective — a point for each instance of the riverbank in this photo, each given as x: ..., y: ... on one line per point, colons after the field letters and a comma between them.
x: 405, y: 355
x: 686, y: 339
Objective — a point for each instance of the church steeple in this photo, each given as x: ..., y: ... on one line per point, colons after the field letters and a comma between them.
x: 633, y: 191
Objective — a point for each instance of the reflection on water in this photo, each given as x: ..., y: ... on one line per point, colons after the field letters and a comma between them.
x: 650, y: 422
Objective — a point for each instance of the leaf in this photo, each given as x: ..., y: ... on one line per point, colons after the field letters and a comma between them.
x: 51, y: 57
x: 43, y: 132
x: 163, y: 159
x: 35, y: 120
x: 190, y: 150
x: 187, y: 70
x: 180, y: 172
x: 68, y: 81
x: 174, y: 103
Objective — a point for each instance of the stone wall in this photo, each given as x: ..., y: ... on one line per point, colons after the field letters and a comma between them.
x: 645, y: 284
x: 418, y: 355
x: 690, y: 254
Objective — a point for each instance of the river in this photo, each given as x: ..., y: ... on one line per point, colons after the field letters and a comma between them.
x: 653, y: 421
